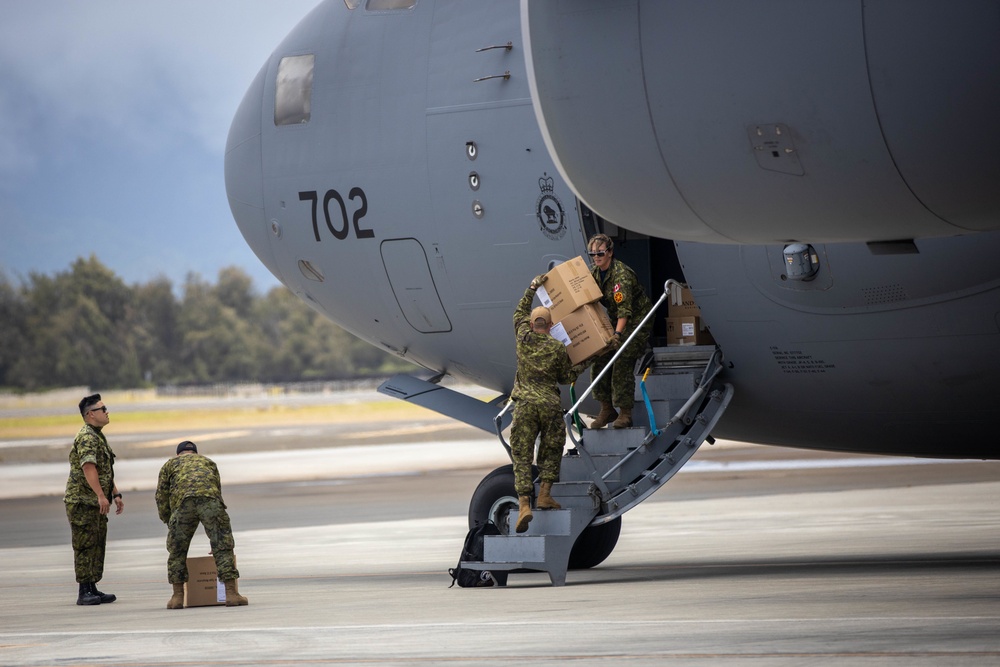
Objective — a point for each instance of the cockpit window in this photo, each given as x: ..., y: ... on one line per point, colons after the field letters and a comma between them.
x: 385, y: 5
x: 293, y: 90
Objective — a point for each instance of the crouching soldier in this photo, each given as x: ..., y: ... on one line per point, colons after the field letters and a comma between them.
x: 189, y: 492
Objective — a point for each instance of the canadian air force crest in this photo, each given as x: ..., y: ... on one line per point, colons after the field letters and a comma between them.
x: 549, y: 210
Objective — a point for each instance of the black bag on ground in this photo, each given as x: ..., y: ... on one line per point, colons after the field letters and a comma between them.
x: 472, y: 551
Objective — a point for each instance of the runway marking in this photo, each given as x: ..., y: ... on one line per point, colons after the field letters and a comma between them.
x: 698, y: 465
x: 221, y: 435
x: 514, y: 624
x: 534, y: 658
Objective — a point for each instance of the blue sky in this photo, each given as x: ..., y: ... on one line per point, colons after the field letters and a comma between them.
x: 114, y: 121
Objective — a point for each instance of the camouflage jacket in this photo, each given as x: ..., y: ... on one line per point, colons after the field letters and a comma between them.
x: 623, y: 295
x: 89, y: 446
x: 186, y: 476
x: 542, y: 361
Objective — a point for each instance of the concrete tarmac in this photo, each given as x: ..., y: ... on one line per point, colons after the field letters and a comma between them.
x: 750, y: 556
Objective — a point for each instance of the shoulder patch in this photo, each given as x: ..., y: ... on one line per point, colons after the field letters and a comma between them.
x: 619, y: 297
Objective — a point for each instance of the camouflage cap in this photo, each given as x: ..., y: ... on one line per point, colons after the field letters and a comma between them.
x: 541, y: 313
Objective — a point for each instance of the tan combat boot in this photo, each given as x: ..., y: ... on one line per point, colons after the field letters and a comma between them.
x: 523, y: 514
x: 606, y: 416
x: 233, y: 597
x: 624, y: 420
x: 176, y: 600
x: 545, y: 500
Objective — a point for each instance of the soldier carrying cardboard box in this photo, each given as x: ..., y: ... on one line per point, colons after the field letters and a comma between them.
x: 627, y: 304
x: 542, y: 365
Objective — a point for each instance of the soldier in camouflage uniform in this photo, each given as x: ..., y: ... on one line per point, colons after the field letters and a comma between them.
x: 627, y: 304
x: 189, y: 492
x: 90, y: 485
x: 542, y: 365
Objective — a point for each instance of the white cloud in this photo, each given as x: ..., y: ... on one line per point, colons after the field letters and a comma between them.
x: 114, y: 118
x: 146, y: 72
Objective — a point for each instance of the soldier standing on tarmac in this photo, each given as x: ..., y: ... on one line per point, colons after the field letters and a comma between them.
x: 90, y: 489
x: 542, y: 365
x: 189, y: 492
x: 627, y: 304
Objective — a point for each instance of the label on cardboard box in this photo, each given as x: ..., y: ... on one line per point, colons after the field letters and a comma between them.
x: 687, y: 331
x: 567, y: 287
x: 203, y: 587
x: 585, y: 332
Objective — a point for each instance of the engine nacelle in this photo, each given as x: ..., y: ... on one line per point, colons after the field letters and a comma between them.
x: 768, y: 122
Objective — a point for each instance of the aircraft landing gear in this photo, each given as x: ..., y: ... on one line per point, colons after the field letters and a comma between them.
x: 495, y: 500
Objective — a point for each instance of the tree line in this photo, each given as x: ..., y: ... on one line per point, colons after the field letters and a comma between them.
x: 85, y: 326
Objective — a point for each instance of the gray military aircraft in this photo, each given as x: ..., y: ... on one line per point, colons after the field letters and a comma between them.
x: 822, y: 174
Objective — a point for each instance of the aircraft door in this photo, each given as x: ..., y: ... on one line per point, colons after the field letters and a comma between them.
x: 413, y: 285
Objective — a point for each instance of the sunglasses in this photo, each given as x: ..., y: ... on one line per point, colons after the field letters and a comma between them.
x: 599, y: 253
x: 103, y: 409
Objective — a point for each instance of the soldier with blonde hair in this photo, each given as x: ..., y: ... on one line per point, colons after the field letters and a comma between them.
x: 627, y: 304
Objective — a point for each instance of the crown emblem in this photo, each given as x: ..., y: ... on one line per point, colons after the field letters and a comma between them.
x: 545, y: 183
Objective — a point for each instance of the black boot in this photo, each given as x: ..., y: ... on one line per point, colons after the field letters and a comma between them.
x: 105, y: 597
x: 86, y: 595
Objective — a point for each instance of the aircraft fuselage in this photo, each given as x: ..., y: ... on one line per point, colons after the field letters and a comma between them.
x: 406, y: 173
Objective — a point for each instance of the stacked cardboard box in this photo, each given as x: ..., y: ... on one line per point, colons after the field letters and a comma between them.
x: 203, y: 587
x: 684, y: 323
x: 570, y: 293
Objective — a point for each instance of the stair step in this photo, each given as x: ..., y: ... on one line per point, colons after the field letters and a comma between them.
x: 694, y: 356
x: 612, y: 441
x: 514, y: 548
x: 575, y: 467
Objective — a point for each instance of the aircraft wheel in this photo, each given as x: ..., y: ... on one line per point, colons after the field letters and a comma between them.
x: 495, y: 500
x: 595, y: 544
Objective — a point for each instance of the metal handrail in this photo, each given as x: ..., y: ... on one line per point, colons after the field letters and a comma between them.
x: 498, y: 421
x: 568, y: 417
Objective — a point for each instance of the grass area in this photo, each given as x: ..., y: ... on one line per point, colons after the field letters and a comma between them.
x: 12, y: 428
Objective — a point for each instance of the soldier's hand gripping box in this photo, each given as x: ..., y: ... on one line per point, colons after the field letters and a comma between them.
x: 567, y: 287
x: 203, y: 587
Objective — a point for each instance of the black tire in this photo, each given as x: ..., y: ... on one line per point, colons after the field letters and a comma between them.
x: 495, y: 499
x: 595, y: 544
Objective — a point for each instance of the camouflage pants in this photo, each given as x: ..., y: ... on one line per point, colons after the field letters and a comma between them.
x: 618, y: 386
x: 529, y: 422
x: 211, y: 513
x: 89, y: 530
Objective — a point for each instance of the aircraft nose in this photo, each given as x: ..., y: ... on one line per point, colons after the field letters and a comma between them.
x: 244, y: 173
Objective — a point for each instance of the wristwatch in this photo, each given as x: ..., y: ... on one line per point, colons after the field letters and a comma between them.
x: 117, y: 495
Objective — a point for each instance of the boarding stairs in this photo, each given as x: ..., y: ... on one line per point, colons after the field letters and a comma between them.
x: 609, y: 471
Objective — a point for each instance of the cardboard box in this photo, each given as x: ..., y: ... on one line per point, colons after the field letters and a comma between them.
x: 686, y: 307
x: 567, y: 287
x: 688, y: 331
x: 585, y: 332
x: 203, y: 587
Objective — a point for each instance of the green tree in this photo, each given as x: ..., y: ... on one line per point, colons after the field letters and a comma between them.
x: 13, y: 325
x: 216, y: 344
x: 77, y: 333
x: 86, y: 327
x: 154, y: 329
